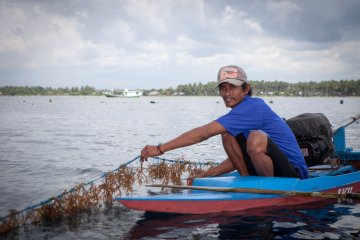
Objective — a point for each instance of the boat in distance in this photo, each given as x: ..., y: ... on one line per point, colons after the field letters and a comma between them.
x: 218, y: 194
x: 126, y: 93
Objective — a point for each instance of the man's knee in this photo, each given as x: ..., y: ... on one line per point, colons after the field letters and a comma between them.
x: 257, y: 142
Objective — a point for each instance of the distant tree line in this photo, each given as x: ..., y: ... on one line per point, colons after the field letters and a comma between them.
x: 48, y: 91
x: 273, y: 88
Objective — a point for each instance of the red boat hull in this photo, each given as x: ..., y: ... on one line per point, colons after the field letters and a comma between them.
x: 214, y: 206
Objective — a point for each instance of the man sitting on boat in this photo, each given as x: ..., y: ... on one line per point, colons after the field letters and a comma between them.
x: 256, y: 140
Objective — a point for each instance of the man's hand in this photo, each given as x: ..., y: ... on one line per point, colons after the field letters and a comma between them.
x: 149, y: 151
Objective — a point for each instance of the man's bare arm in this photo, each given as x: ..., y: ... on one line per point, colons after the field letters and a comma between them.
x: 191, y: 137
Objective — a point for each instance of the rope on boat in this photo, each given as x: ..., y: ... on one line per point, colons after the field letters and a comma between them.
x: 78, y: 198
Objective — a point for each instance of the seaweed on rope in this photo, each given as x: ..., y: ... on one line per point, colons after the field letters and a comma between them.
x: 89, y: 195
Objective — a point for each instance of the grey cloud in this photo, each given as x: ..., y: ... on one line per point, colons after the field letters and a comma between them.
x: 319, y: 21
x: 313, y: 21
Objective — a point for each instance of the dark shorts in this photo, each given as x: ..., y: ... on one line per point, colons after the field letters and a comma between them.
x: 282, y: 166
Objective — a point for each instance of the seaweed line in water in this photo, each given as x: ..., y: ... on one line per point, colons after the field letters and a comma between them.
x: 88, y: 195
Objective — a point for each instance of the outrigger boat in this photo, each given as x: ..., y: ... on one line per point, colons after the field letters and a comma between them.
x: 126, y: 93
x: 232, y: 192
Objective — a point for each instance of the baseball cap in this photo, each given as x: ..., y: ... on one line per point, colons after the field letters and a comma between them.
x: 232, y: 74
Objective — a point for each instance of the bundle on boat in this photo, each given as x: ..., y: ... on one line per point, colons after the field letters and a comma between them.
x: 86, y: 196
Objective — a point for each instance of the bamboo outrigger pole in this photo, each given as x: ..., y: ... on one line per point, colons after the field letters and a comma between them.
x: 346, y: 123
x: 264, y: 191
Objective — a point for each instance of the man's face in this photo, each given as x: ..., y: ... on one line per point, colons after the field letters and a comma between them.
x: 231, y: 94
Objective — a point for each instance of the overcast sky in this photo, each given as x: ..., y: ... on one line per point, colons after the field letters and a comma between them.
x: 162, y: 43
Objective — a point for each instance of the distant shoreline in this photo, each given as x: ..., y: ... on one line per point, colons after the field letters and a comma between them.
x: 331, y: 88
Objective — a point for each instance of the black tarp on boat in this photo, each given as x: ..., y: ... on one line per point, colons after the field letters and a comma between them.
x: 314, y: 135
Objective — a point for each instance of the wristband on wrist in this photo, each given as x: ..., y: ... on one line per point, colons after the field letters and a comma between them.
x: 159, y: 150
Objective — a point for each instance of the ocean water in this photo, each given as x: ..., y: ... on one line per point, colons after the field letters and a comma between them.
x: 49, y: 144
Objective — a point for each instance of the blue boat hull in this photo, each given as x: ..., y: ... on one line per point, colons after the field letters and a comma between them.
x: 199, y: 202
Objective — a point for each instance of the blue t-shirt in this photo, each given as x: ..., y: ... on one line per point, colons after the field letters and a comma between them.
x: 254, y: 114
